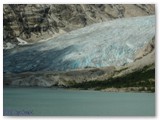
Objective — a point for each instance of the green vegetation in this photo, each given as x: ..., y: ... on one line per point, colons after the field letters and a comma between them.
x: 143, y: 79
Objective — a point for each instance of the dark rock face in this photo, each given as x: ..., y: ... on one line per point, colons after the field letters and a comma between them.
x: 33, y: 22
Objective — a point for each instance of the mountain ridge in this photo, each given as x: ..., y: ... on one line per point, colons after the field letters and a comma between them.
x: 34, y: 22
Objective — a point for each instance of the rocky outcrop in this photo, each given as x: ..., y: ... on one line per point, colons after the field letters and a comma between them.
x: 148, y: 48
x: 48, y: 79
x: 34, y: 22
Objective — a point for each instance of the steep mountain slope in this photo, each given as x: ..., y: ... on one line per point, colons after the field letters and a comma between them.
x: 33, y: 22
x: 99, y: 45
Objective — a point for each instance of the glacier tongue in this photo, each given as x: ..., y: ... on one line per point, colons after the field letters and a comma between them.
x: 98, y: 45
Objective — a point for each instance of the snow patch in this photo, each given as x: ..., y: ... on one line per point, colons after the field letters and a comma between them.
x: 21, y: 42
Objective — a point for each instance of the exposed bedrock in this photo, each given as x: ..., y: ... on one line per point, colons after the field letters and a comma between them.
x: 34, y: 22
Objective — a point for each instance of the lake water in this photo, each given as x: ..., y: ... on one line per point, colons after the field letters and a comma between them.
x: 62, y: 102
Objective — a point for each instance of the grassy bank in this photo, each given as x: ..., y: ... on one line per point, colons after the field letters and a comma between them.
x: 144, y: 79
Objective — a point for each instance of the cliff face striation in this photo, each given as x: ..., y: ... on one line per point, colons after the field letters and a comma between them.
x: 29, y: 23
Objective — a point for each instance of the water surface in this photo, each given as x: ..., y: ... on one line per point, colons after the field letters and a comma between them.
x: 62, y: 102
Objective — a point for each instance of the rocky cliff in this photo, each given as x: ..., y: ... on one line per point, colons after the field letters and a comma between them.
x: 29, y: 23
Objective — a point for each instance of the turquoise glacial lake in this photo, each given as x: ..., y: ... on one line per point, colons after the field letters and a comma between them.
x: 66, y: 102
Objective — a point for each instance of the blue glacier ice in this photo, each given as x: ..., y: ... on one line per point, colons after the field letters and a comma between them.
x: 98, y: 45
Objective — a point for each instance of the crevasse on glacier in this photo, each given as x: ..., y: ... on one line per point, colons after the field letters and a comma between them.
x: 98, y: 45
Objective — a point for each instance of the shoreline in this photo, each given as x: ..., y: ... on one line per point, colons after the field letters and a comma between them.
x: 114, y: 90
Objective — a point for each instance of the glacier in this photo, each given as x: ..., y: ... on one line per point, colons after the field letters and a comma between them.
x: 103, y: 44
